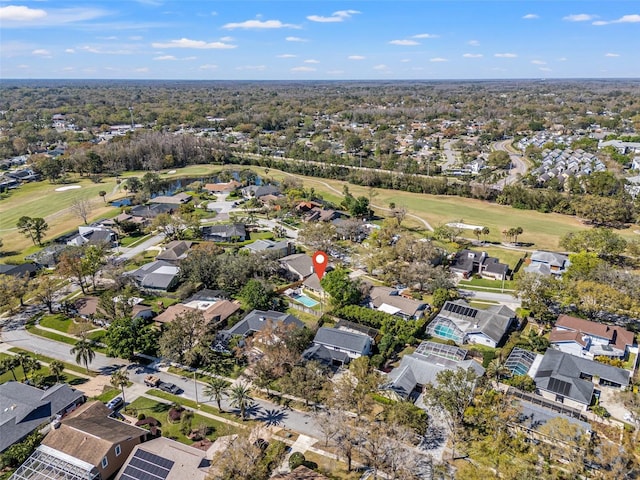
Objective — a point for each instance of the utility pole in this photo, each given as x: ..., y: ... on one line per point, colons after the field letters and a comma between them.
x: 195, y: 384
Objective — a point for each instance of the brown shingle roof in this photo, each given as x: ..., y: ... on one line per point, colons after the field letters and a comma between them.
x: 88, y: 433
x: 617, y: 336
x: 222, y: 308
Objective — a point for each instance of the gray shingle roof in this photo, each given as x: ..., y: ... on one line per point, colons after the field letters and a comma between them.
x: 332, y: 337
x: 299, y: 263
x: 560, y: 373
x: 492, y: 322
x: 159, y: 275
x: 23, y: 408
x: 256, y: 320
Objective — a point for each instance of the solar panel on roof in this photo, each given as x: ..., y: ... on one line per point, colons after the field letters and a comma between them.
x: 147, y: 466
x: 559, y: 386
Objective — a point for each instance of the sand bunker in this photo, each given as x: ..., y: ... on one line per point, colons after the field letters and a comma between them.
x: 68, y: 187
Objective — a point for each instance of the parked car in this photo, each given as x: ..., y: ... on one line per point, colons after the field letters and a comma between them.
x: 115, y: 403
x: 170, y: 388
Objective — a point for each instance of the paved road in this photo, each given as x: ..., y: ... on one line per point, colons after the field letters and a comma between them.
x: 503, y: 298
x: 450, y: 156
x: 128, y: 253
x: 518, y: 164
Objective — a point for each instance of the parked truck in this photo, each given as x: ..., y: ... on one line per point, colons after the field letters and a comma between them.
x: 151, y: 381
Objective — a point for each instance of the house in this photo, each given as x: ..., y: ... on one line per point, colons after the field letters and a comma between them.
x: 213, y: 311
x: 89, y: 308
x: 151, y: 211
x: 571, y: 380
x: 259, y: 191
x: 547, y: 263
x: 158, y: 276
x: 221, y: 187
x: 584, y: 338
x: 421, y: 367
x: 389, y: 300
x: 20, y: 270
x: 167, y: 459
x: 175, y: 251
x: 92, y: 436
x: 257, y: 320
x: 298, y: 266
x: 95, y: 235
x: 335, y: 346
x: 234, y: 232
x: 24, y: 408
x: 321, y: 215
x: 274, y: 249
x: 312, y: 283
x: 635, y: 163
x: 24, y: 175
x: 462, y: 323
x: 47, y: 257
x: 177, y: 199
x: 465, y: 263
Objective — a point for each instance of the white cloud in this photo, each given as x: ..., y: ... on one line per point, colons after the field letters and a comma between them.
x: 259, y: 25
x: 438, y: 60
x: 226, y: 39
x: 68, y: 69
x: 296, y: 39
x: 474, y: 43
x: 14, y: 13
x: 41, y: 52
x: 635, y: 18
x: 405, y: 60
x: 69, y: 50
x: 187, y: 43
x: 339, y: 16
x: 426, y: 35
x: 531, y: 16
x: 356, y: 57
x: 208, y: 66
x: 303, y: 69
x: 545, y: 69
x: 472, y: 55
x: 165, y: 57
x: 579, y: 17
x: 311, y: 60
x: 538, y: 62
x: 407, y: 43
x: 142, y: 70
x: 252, y: 67
x: 382, y: 66
x: 562, y: 59
x: 505, y: 55
x: 98, y: 51
x: 136, y: 38
x: 190, y: 58
x: 286, y: 55
x: 611, y: 54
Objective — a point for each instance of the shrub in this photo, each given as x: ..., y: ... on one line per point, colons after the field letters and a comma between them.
x: 141, y: 416
x: 296, y: 459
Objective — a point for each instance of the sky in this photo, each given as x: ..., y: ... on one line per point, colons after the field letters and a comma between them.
x: 319, y: 40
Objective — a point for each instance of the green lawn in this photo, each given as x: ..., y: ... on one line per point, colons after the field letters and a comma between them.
x: 57, y: 322
x: 60, y: 338
x: 43, y: 358
x: 192, y: 404
x: 43, y: 372
x: 159, y: 411
x: 109, y: 393
x: 130, y: 240
x: 485, y: 282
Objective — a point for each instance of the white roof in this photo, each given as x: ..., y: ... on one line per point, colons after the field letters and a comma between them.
x: 386, y: 308
x: 167, y: 270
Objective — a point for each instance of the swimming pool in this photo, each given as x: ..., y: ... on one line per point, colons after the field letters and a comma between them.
x: 306, y: 301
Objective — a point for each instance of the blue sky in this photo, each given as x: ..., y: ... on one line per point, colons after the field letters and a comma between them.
x: 326, y: 40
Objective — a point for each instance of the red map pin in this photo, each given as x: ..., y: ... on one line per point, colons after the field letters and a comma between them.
x: 320, y: 261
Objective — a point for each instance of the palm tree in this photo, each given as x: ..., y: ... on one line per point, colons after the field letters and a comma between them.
x: 240, y: 397
x: 56, y: 367
x: 485, y: 232
x: 496, y: 370
x: 517, y: 231
x: 120, y: 379
x: 83, y: 350
x: 9, y: 364
x: 477, y: 232
x: 22, y: 359
x: 216, y: 388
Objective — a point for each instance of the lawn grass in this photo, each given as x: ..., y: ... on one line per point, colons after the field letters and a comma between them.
x: 326, y: 465
x: 109, y: 393
x: 57, y: 322
x: 192, y: 404
x: 39, y: 199
x: 44, y: 372
x: 97, y: 336
x: 60, y: 338
x: 43, y: 358
x: 130, y: 240
x: 485, y: 282
x: 159, y: 410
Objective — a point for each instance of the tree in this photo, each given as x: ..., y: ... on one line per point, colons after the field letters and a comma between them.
x: 9, y: 364
x: 318, y: 235
x: 181, y: 336
x: 240, y: 396
x: 341, y: 288
x: 126, y: 336
x: 103, y: 194
x: 257, y: 295
x: 28, y: 364
x: 499, y: 159
x: 81, y: 208
x: 93, y: 260
x: 84, y: 352
x: 602, y: 241
x: 151, y: 183
x: 56, y: 367
x: 72, y: 265
x: 120, y: 379
x: 240, y: 460
x: 496, y: 370
x: 452, y: 394
x: 399, y: 213
x: 305, y: 381
x: 13, y: 288
x: 477, y: 232
x: 33, y: 228
x: 216, y: 389
x: 485, y: 232
x: 133, y: 184
x: 46, y: 290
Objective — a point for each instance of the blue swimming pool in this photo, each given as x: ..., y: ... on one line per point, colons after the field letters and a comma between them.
x: 306, y: 301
